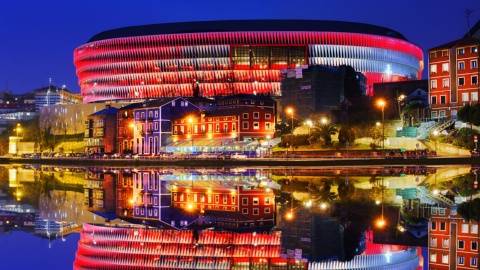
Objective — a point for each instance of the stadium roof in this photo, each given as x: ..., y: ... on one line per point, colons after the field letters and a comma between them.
x: 246, y: 25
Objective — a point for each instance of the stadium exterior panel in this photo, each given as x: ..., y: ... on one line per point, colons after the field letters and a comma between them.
x: 233, y: 57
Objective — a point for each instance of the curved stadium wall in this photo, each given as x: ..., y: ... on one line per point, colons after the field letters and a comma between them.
x: 155, y: 61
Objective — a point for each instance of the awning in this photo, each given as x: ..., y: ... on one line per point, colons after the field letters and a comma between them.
x: 201, y: 142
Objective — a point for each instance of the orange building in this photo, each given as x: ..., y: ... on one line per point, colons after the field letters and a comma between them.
x: 453, y: 76
x: 453, y: 241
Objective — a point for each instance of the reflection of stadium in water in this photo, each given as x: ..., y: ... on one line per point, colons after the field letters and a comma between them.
x: 181, y: 198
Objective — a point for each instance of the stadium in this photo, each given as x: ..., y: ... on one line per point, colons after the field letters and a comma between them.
x: 219, y: 58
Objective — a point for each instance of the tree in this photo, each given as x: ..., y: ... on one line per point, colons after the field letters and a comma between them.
x: 346, y: 134
x: 470, y: 114
x: 345, y: 189
x: 325, y: 131
x: 321, y: 193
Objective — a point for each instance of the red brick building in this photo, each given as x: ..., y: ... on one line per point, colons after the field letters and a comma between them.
x: 244, y: 124
x: 453, y: 242
x: 453, y: 76
x: 100, y: 135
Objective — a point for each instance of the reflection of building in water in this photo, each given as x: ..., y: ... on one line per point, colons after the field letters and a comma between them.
x: 54, y: 229
x: 453, y: 241
x: 147, y: 248
x: 99, y: 194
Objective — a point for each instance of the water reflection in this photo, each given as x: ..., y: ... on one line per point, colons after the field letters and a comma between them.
x: 197, y: 218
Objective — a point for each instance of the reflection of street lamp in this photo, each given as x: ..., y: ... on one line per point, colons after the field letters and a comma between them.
x: 190, y: 121
x: 324, y: 120
x: 381, y: 221
x: 17, y: 129
x: 435, y: 134
x: 290, y: 111
x: 381, y: 104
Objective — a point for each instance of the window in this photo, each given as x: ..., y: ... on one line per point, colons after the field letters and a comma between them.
x: 461, y: 244
x: 217, y: 199
x: 445, y: 67
x: 245, y: 125
x: 434, y: 226
x: 445, y: 83
x: 474, y: 79
x: 268, y: 126
x: 433, y: 257
x: 434, y: 114
x: 433, y: 84
x: 434, y: 210
x: 268, y: 116
x: 267, y: 201
x: 445, y: 53
x: 433, y: 69
x: 224, y: 198
x: 474, y: 245
x: 461, y: 51
x: 475, y: 96
x: 461, y: 81
x: 445, y: 242
x: 443, y: 99
x: 442, y: 114
x: 234, y: 126
x: 473, y: 49
x: 267, y: 210
x: 434, y: 100
x: 461, y: 65
x: 473, y: 64
x: 244, y: 210
x: 460, y: 260
x: 444, y: 258
x: 217, y: 127
x: 233, y: 199
x: 433, y: 242
x: 475, y: 228
x: 473, y: 261
x: 441, y: 211
x: 256, y: 125
x: 256, y: 115
x: 443, y: 226
x: 433, y: 54
x: 245, y: 116
x: 255, y: 211
x: 245, y: 201
x: 255, y: 201
x: 465, y: 228
x: 464, y: 97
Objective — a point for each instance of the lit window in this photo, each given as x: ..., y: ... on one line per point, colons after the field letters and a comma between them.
x: 268, y: 126
x: 255, y: 201
x: 433, y: 69
x: 445, y: 67
x: 473, y: 261
x: 464, y: 97
x: 256, y: 125
x: 267, y: 116
x: 465, y: 228
x: 475, y: 228
x: 473, y: 64
x: 433, y: 242
x: 433, y: 84
x: 446, y: 83
x: 433, y: 257
x: 461, y: 51
x: 444, y: 258
x: 474, y: 49
x: 461, y: 66
x: 445, y: 242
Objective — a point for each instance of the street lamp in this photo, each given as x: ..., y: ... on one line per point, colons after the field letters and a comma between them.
x: 17, y: 129
x: 381, y: 104
x: 190, y: 121
x: 324, y: 120
x: 290, y: 111
x: 309, y: 123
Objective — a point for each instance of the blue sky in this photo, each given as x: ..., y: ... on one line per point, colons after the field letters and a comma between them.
x: 37, y: 38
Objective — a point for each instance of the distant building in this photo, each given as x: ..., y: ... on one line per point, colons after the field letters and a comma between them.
x: 52, y: 95
x: 320, y: 89
x: 453, y: 241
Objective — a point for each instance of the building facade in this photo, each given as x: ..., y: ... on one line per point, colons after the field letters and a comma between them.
x: 100, y: 135
x: 453, y: 241
x: 220, y: 58
x: 453, y: 76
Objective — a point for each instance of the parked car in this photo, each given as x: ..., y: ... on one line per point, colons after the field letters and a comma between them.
x: 207, y: 156
x: 475, y: 153
x: 238, y: 156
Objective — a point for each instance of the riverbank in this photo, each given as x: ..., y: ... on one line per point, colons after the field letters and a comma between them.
x: 254, y: 162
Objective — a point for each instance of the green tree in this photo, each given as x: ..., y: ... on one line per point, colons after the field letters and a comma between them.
x: 470, y: 114
x: 325, y: 132
x: 346, y: 190
x: 346, y: 134
x: 321, y: 193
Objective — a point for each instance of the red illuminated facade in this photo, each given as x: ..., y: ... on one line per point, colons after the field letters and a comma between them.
x: 150, y: 248
x: 243, y: 124
x: 453, y: 76
x: 233, y: 57
x: 242, y: 206
x: 453, y: 241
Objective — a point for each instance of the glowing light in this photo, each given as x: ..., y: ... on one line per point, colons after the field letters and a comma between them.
x: 323, y: 206
x: 289, y: 215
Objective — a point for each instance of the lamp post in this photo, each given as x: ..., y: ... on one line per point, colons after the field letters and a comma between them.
x: 190, y: 121
x: 17, y: 129
x: 309, y: 123
x: 381, y: 104
x: 290, y: 111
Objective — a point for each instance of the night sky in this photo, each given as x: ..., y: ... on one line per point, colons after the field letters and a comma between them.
x: 37, y: 38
